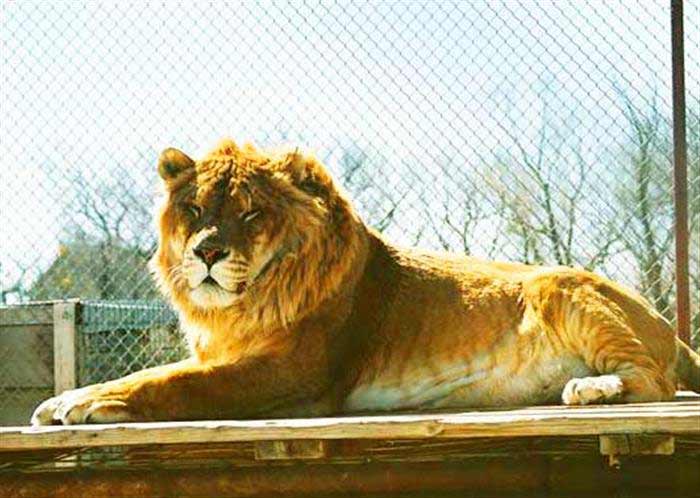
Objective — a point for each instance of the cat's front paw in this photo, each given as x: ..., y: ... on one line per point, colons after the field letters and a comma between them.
x: 87, y: 405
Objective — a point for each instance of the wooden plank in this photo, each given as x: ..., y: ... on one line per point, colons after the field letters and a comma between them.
x: 302, y: 449
x: 653, y: 418
x: 294, y: 480
x: 65, y: 355
x: 26, y: 361
x: 26, y: 314
x: 212, y: 455
x: 26, y: 353
x: 636, y: 444
x: 534, y: 476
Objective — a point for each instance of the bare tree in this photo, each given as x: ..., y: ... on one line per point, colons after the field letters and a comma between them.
x: 16, y: 288
x: 363, y: 175
x: 106, y: 243
x: 646, y: 200
x: 464, y: 222
x: 454, y: 215
x: 544, y: 206
x: 116, y: 210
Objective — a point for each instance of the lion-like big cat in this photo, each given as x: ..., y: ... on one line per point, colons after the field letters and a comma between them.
x: 293, y: 307
x: 473, y: 333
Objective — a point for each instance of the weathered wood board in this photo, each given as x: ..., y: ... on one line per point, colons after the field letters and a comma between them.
x: 538, y: 450
x: 26, y: 360
x: 679, y: 417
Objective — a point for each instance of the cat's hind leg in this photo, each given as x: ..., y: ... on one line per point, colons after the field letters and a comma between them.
x: 617, y: 334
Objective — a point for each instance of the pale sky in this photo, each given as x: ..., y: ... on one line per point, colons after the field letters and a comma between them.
x: 99, y: 89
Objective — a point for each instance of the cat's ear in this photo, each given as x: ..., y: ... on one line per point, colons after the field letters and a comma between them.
x: 307, y: 174
x: 173, y: 164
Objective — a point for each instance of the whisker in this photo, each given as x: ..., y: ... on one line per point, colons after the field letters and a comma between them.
x: 231, y: 271
x: 175, y: 274
x: 178, y: 278
x: 174, y: 269
x: 227, y: 264
x: 240, y: 261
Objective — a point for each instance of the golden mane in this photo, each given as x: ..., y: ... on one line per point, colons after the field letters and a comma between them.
x: 330, y: 242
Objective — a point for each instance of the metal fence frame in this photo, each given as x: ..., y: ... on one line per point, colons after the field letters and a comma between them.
x: 680, y: 174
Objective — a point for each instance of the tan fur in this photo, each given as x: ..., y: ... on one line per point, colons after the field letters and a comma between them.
x: 306, y: 311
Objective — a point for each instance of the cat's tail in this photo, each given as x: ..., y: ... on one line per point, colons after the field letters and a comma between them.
x: 688, y: 366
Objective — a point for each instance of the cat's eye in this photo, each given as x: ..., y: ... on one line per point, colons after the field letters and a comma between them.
x: 193, y: 210
x: 311, y: 187
x: 249, y: 216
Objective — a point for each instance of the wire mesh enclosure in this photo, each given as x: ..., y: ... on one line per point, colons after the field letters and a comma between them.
x: 116, y: 338
x: 106, y: 340
x: 533, y: 131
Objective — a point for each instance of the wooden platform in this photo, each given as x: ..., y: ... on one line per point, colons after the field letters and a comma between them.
x: 650, y: 448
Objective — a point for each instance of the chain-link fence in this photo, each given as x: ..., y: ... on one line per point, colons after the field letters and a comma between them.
x: 101, y: 340
x: 533, y: 131
x: 119, y: 337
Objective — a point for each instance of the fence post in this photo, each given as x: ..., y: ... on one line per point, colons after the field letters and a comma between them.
x: 680, y: 174
x: 65, y: 346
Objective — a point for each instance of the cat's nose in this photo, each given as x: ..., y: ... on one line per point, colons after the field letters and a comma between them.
x: 209, y: 253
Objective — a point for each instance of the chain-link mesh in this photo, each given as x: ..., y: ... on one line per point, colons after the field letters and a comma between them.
x: 111, y: 339
x: 534, y: 131
x: 118, y: 337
